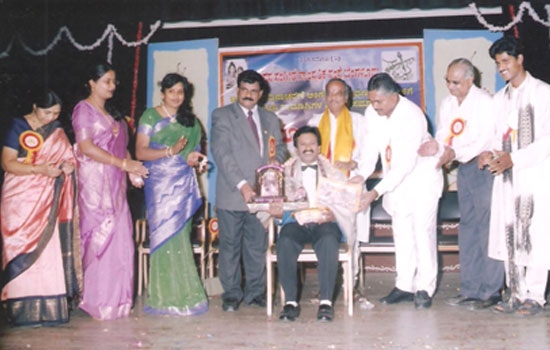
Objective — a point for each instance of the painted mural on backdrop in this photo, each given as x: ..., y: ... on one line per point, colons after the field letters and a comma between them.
x: 297, y: 74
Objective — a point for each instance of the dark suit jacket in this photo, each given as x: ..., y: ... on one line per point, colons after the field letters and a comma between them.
x: 236, y: 153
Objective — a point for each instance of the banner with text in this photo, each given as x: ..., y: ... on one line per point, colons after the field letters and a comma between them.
x: 297, y: 74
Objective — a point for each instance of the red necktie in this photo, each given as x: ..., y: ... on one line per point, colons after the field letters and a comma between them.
x: 254, y: 128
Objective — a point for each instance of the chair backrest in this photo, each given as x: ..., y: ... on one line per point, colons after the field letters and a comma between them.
x: 378, y: 215
x: 200, y: 220
x: 449, y: 210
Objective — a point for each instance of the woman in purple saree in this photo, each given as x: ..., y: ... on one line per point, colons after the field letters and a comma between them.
x: 105, y: 224
x: 168, y: 141
x: 37, y: 218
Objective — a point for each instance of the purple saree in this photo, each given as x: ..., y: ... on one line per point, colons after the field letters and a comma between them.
x: 105, y: 224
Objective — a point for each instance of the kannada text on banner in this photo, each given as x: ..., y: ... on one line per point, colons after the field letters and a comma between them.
x: 297, y: 74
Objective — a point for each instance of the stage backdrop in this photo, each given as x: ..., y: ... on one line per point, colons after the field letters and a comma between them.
x: 197, y: 61
x: 298, y: 73
x: 443, y: 46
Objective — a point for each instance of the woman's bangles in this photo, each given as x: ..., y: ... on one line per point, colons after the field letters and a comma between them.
x: 168, y: 152
x: 123, y: 166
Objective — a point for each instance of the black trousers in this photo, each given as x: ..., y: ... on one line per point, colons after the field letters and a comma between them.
x: 325, y: 239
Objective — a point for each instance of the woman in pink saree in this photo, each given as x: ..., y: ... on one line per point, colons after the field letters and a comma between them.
x: 107, y: 246
x: 37, y: 213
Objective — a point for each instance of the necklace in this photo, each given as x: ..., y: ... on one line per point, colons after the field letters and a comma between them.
x: 172, y: 117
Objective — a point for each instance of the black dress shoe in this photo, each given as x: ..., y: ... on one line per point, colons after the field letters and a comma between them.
x: 397, y: 296
x: 325, y: 313
x: 461, y: 300
x: 290, y: 313
x: 230, y: 305
x: 422, y: 300
x: 257, y: 301
x: 484, y: 304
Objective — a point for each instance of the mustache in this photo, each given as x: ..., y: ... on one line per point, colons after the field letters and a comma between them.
x: 248, y: 99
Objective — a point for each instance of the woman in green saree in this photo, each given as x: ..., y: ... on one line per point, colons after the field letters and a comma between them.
x: 168, y: 141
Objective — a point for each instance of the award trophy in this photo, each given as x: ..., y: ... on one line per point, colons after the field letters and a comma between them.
x: 270, y: 184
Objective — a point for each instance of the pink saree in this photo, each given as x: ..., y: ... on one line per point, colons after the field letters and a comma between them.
x: 107, y: 245
x: 37, y: 213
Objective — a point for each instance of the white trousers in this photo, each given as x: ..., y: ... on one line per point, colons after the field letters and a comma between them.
x: 531, y: 282
x: 415, y: 238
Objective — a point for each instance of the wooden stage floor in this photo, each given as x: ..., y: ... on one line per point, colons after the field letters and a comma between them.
x: 383, y: 327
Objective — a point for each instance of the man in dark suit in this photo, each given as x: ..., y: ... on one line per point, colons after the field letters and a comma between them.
x: 243, y: 138
x: 322, y: 231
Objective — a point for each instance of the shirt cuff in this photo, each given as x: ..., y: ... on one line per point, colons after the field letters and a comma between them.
x: 241, y: 184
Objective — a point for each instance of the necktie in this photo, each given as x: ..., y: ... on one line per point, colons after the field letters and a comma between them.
x: 314, y: 167
x: 254, y: 128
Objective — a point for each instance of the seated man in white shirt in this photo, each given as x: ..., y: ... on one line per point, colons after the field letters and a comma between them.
x: 301, y: 174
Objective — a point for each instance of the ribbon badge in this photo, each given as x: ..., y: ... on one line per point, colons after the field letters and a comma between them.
x: 31, y: 142
x: 272, y: 146
x: 510, y: 133
x: 213, y: 229
x: 457, y: 128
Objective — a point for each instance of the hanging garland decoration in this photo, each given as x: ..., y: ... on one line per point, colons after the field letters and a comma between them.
x: 110, y: 33
x: 524, y: 6
x: 6, y: 52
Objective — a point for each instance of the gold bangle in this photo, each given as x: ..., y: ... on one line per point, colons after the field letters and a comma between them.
x: 170, y: 153
x: 166, y: 151
x: 33, y: 171
x: 124, y: 164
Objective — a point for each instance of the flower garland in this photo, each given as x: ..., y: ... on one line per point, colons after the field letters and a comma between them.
x: 524, y: 6
x: 110, y: 33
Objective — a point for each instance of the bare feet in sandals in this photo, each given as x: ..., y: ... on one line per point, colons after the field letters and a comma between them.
x: 529, y: 308
x: 507, y: 307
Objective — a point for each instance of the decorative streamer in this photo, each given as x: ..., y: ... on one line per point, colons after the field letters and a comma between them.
x: 6, y: 52
x: 524, y: 6
x: 513, y: 16
x: 110, y: 33
x: 135, y: 80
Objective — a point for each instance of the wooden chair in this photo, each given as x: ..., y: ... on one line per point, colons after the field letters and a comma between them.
x: 198, y: 241
x: 307, y: 255
x: 143, y: 252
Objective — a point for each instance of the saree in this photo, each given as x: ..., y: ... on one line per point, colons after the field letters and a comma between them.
x: 37, y: 212
x: 106, y: 233
x: 172, y: 197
